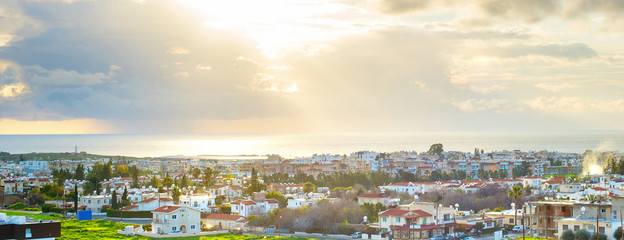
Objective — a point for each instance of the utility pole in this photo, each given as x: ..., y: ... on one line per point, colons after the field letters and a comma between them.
x: 621, y: 226
x: 523, y: 210
x: 597, y: 212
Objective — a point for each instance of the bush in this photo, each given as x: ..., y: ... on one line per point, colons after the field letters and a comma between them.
x: 17, y: 206
x: 105, y: 209
x: 147, y: 227
x: 567, y: 235
x: 46, y: 207
x: 601, y: 236
x: 618, y: 233
x: 56, y: 210
x: 128, y: 214
x: 581, y: 235
x: 32, y: 209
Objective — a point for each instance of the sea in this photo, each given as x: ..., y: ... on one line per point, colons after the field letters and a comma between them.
x: 302, y: 145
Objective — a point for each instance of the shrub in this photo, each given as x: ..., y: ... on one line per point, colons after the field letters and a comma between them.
x: 581, y: 235
x: 128, y: 214
x: 32, y: 209
x: 147, y: 227
x: 56, y: 210
x: 601, y: 236
x: 567, y: 235
x: 46, y: 207
x: 17, y: 206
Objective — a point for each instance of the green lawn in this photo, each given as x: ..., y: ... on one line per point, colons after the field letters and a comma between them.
x: 37, y: 217
x: 100, y: 229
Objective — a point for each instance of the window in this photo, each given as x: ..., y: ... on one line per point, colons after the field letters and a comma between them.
x: 604, y: 210
x: 511, y: 220
x: 174, y: 228
x: 565, y: 227
x: 98, y: 201
x: 398, y: 219
x: 601, y: 229
x: 563, y: 209
x: 89, y: 201
x: 192, y: 227
x: 384, y: 219
x: 174, y: 217
x: 424, y: 221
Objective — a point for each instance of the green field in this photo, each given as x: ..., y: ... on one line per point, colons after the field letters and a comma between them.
x: 100, y: 229
x: 36, y: 217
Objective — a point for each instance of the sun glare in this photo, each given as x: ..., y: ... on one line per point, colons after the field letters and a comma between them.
x: 278, y: 26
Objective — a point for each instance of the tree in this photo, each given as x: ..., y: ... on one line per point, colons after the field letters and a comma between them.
x: 515, y: 192
x: 175, y: 194
x: 479, y: 226
x: 134, y: 172
x: 567, y: 235
x: 283, y: 202
x: 124, y: 198
x: 35, y: 199
x: 155, y: 182
x: 168, y: 181
x: 617, y: 234
x: 437, y: 148
x: 184, y: 182
x: 196, y: 172
x: 114, y: 201
x: 207, y: 177
x: 581, y: 235
x: 79, y: 173
x: 308, y: 187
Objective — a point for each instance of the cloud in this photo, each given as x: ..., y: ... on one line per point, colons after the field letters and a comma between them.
x: 12, y: 90
x: 486, y: 90
x: 526, y: 10
x: 41, y: 76
x: 403, y: 6
x: 15, y: 25
x: 555, y: 87
x: 575, y: 104
x: 179, y: 50
x: 480, y: 105
x: 570, y: 51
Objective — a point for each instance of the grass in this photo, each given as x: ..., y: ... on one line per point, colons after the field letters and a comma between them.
x: 100, y: 229
x: 36, y: 217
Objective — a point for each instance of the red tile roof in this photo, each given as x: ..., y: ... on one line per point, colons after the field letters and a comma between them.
x: 399, y: 212
x: 166, y: 209
x: 129, y: 207
x: 148, y: 200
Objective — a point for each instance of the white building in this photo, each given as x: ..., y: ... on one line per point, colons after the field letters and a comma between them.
x: 247, y: 208
x: 225, y: 221
x: 200, y: 202
x: 176, y: 219
x: 95, y: 203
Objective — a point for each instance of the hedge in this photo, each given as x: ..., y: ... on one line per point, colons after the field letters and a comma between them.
x: 56, y: 210
x: 46, y: 207
x: 129, y: 214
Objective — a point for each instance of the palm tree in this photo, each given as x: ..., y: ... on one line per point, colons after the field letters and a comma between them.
x: 514, y: 193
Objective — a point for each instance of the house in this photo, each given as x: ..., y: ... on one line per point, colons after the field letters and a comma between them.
x: 227, y: 191
x: 153, y: 203
x: 408, y: 187
x: 225, y: 221
x: 374, y: 198
x: 247, y: 208
x: 172, y: 219
x: 12, y: 186
x: 95, y: 202
x: 201, y: 202
x: 18, y: 227
x: 397, y: 217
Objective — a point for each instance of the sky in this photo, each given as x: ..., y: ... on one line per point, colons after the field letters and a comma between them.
x: 297, y: 66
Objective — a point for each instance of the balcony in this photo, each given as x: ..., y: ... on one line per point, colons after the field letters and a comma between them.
x: 160, y: 221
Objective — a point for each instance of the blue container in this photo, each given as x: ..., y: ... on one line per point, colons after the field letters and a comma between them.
x: 85, y: 215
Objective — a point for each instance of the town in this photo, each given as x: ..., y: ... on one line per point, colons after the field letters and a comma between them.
x: 436, y: 194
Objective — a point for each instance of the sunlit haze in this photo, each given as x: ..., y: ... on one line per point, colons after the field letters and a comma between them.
x: 277, y: 66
